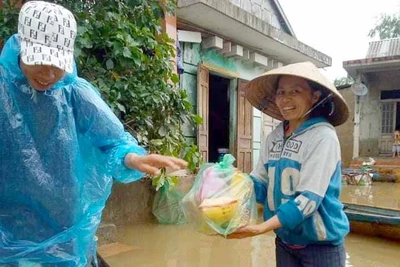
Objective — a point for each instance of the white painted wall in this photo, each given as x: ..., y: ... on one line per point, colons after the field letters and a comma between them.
x: 370, y: 113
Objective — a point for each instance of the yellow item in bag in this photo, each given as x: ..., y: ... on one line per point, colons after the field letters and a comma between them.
x: 219, y: 210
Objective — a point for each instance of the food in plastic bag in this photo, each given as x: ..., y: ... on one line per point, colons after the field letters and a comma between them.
x: 221, y: 200
x: 210, y: 186
x: 166, y: 205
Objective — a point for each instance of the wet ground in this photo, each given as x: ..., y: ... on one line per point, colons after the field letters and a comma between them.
x: 179, y: 246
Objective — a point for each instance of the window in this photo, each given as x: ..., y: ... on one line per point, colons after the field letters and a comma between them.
x: 392, y: 94
x: 387, y: 118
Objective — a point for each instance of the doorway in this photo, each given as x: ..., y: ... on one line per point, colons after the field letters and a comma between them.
x: 227, y: 118
x: 397, y: 124
x: 390, y: 122
x: 219, y: 115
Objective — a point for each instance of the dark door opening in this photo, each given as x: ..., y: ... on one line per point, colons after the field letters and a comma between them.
x: 218, y: 116
x: 397, y: 126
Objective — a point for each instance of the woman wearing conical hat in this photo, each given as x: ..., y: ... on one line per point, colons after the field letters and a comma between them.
x: 298, y: 176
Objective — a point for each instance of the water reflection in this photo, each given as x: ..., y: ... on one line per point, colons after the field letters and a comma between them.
x: 364, y: 251
x: 378, y: 194
x: 179, y: 246
x: 348, y: 264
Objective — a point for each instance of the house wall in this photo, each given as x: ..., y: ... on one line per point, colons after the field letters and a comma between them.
x: 262, y: 9
x: 194, y: 55
x: 346, y: 130
x: 370, y: 110
x: 130, y: 203
x: 369, y: 122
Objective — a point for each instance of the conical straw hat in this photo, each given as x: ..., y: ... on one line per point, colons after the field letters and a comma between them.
x: 261, y: 90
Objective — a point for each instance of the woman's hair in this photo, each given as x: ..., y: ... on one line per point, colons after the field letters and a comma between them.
x: 326, y: 108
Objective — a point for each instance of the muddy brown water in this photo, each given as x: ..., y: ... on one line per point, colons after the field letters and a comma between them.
x: 378, y: 194
x: 152, y: 245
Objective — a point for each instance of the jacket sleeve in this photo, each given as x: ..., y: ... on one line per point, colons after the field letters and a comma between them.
x: 321, y: 163
x: 259, y: 174
x: 98, y: 123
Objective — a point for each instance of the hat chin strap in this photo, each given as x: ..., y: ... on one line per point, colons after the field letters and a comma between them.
x: 319, y: 104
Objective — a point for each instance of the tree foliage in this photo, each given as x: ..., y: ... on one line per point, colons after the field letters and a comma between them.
x: 387, y: 26
x: 348, y: 80
x: 8, y: 18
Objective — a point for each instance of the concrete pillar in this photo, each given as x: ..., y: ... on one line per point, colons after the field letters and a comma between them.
x: 170, y: 28
x: 356, y: 144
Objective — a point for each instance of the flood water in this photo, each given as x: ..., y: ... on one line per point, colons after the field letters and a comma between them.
x: 378, y: 194
x: 153, y: 245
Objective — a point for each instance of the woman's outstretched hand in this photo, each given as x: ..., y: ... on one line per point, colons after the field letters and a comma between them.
x: 152, y: 163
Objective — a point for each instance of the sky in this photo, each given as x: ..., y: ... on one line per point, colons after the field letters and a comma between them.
x: 338, y: 28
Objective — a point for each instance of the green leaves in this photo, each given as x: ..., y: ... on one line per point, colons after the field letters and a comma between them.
x: 121, y: 107
x: 110, y: 64
x: 127, y: 52
x: 163, y: 178
x: 174, y: 78
x: 198, y: 119
x: 387, y: 26
x: 343, y: 81
x: 8, y: 19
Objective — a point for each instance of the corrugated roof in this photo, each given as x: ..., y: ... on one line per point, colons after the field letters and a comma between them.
x: 384, y: 48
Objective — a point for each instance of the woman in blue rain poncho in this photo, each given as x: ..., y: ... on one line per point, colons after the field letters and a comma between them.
x: 60, y: 146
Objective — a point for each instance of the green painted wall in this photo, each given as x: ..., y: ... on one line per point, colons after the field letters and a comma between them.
x: 244, y: 70
x: 189, y: 81
x: 192, y: 56
x: 233, y: 108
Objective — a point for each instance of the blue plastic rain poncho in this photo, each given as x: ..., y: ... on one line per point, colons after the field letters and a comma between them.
x: 59, y: 151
